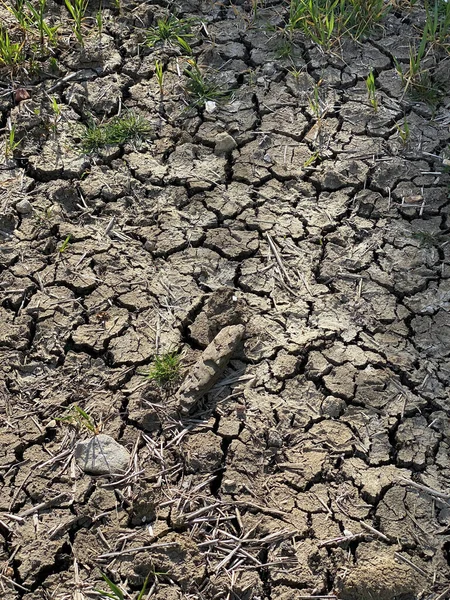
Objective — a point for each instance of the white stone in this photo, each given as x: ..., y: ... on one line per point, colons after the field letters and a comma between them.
x: 24, y: 207
x: 224, y: 144
x: 101, y: 455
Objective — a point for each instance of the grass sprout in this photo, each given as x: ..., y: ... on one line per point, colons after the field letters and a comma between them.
x: 119, y: 130
x: 199, y: 87
x: 165, y: 368
x: 324, y: 21
x: 11, y: 143
x: 79, y: 418
x: 11, y: 53
x: 170, y: 30
x: 372, y: 91
x: 77, y: 10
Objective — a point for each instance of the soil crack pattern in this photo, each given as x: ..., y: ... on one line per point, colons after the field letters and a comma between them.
x: 224, y: 300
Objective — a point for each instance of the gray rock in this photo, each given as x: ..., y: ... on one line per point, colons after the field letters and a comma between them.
x: 224, y: 144
x: 101, y: 455
x: 24, y: 207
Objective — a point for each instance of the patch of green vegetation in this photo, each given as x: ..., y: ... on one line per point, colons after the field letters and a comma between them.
x: 403, y: 130
x: 119, y: 130
x: 199, y: 87
x: 77, y: 10
x: 427, y: 239
x: 11, y: 53
x: 372, y: 91
x: 116, y: 593
x: 325, y: 21
x: 165, y: 369
x: 171, y: 30
x: 437, y: 25
x: 417, y: 78
x: 80, y: 419
x: 65, y: 244
x: 11, y: 143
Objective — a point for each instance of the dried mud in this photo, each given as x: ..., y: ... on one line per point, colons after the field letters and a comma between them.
x: 318, y: 464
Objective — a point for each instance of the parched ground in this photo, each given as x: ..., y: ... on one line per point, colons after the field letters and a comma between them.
x: 318, y: 465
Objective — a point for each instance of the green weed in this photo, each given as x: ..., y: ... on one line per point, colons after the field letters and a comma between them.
x: 165, y: 368
x: 403, y: 131
x: 115, y: 593
x: 46, y: 31
x: 437, y: 25
x: 11, y: 143
x: 119, y: 130
x: 417, y: 79
x: 77, y: 10
x: 371, y: 91
x: 11, y: 53
x: 99, y: 21
x: 325, y: 21
x: 199, y: 87
x: 79, y: 418
x: 160, y: 75
x: 64, y: 246
x: 170, y: 30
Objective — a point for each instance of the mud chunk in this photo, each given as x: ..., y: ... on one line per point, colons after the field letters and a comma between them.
x: 101, y: 455
x: 181, y: 559
x: 144, y: 507
x: 221, y: 310
x: 203, y: 453
x: 340, y: 381
x: 209, y: 367
x: 398, y: 579
x: 14, y: 332
x: 225, y: 144
x: 336, y: 434
x: 417, y: 442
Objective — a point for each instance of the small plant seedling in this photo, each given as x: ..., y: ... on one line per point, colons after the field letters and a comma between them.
x: 170, y: 30
x: 165, y: 368
x: 371, y: 91
x: 199, y: 87
x: 36, y: 18
x: 403, y: 131
x: 11, y: 53
x: 11, y: 143
x: 115, y: 592
x: 77, y: 10
x: 56, y: 108
x: 65, y: 244
x: 81, y: 419
x: 117, y: 131
x: 99, y: 21
x: 317, y: 105
x: 160, y: 75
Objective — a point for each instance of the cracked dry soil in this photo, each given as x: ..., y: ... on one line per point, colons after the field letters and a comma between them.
x: 318, y: 465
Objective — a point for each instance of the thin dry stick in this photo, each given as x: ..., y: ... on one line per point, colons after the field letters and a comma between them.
x: 375, y: 531
x: 424, y: 488
x: 411, y: 564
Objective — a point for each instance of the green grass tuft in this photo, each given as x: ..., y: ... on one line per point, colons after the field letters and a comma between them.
x: 165, y: 368
x: 119, y: 130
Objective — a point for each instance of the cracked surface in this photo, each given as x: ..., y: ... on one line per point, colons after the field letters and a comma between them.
x: 318, y: 464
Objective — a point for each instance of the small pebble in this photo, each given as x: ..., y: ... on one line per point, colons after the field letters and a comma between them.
x: 101, y: 455
x: 24, y: 207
